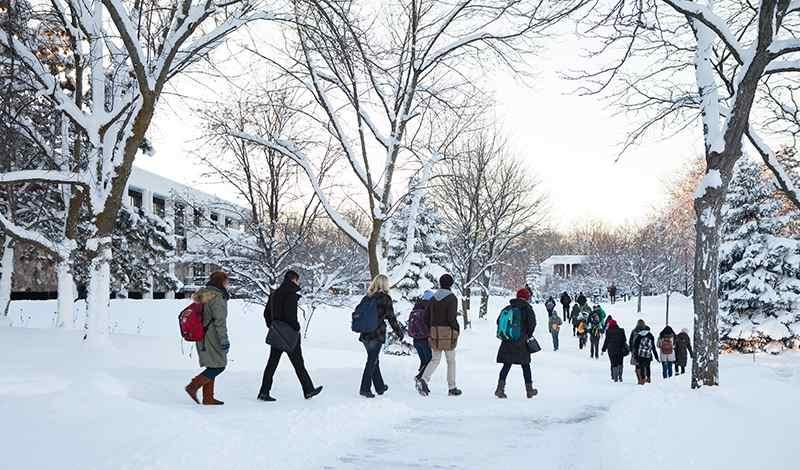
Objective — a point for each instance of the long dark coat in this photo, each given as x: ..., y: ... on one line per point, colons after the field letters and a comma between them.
x: 683, y: 349
x: 615, y: 345
x: 516, y: 352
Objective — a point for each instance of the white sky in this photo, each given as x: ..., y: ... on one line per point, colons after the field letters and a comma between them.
x: 570, y: 142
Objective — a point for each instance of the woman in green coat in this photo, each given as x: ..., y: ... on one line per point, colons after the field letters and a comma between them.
x: 212, y: 351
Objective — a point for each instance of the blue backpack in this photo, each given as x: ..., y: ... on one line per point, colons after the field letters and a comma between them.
x: 365, y: 317
x: 509, y: 325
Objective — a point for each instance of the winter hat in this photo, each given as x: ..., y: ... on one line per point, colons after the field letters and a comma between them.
x: 523, y: 294
x: 612, y: 323
x: 446, y: 281
x: 290, y: 276
x: 427, y: 295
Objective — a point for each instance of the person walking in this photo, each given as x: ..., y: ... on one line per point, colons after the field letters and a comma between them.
x: 666, y: 345
x: 418, y: 321
x: 612, y: 293
x: 574, y: 317
x: 444, y: 331
x: 515, y: 350
x: 549, y: 304
x: 212, y: 351
x: 595, y: 327
x: 378, y: 292
x: 639, y: 327
x: 644, y: 347
x: 581, y: 299
x: 565, y: 300
x: 282, y: 307
x: 554, y: 324
x: 683, y: 350
x: 616, y: 343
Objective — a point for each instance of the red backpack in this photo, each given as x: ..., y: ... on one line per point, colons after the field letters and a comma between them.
x: 190, y: 321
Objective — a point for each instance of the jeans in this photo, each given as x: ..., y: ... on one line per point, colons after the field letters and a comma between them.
x: 595, y: 346
x: 581, y: 341
x: 212, y: 372
x: 372, y: 369
x: 566, y: 311
x: 555, y: 340
x: 425, y: 354
x: 666, y: 369
x: 296, y: 357
x: 451, y: 367
x: 616, y: 373
x: 526, y: 372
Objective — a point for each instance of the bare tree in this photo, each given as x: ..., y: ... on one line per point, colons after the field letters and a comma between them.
x: 105, y: 67
x: 488, y: 204
x: 713, y: 61
x: 378, y: 74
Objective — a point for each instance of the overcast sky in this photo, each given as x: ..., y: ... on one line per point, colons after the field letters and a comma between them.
x: 570, y: 142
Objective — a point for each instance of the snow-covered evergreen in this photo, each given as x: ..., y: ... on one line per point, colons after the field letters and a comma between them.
x: 423, y: 263
x: 759, y: 266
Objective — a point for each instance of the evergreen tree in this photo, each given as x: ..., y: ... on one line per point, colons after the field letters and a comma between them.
x: 421, y: 269
x: 759, y: 266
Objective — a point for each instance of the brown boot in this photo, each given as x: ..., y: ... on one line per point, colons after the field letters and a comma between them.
x: 208, y: 394
x: 195, y: 385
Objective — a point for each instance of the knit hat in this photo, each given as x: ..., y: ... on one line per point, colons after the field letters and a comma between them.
x: 446, y: 281
x: 612, y: 323
x: 523, y: 294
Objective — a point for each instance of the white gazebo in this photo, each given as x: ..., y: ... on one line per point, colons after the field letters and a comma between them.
x: 563, y: 266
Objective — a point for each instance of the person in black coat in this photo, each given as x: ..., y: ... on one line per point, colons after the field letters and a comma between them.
x: 282, y: 306
x: 581, y: 299
x: 644, y: 350
x: 516, y: 352
x: 374, y: 340
x: 683, y: 350
x: 566, y: 300
x: 616, y: 343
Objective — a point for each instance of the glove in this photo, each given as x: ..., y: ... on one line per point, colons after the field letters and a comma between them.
x: 226, y: 348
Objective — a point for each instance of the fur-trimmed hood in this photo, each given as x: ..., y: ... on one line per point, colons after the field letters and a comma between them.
x: 207, y: 294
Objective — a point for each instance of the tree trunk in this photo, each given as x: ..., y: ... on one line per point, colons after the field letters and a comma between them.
x: 465, y: 302
x: 6, y: 274
x: 639, y: 301
x: 66, y: 294
x: 98, y: 315
x: 666, y: 321
x: 705, y: 367
x: 484, y: 310
x: 374, y: 249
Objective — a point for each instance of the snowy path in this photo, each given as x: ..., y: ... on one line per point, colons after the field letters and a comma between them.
x: 126, y: 409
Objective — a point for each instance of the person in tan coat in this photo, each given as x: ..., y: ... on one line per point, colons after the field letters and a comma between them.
x: 444, y: 331
x: 212, y: 352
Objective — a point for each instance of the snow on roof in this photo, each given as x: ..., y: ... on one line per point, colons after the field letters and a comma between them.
x: 162, y: 186
x: 565, y: 259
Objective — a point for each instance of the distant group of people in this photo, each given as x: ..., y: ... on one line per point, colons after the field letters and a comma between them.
x: 434, y: 328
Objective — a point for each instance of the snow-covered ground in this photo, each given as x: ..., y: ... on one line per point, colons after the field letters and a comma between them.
x: 64, y: 406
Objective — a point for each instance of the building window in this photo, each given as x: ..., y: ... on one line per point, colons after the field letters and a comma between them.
x: 135, y: 198
x: 179, y: 220
x: 198, y: 217
x: 215, y: 218
x: 159, y: 206
x: 199, y: 270
x: 228, y: 222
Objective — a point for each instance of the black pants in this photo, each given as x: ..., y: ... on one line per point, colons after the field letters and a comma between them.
x: 296, y: 357
x: 566, y: 311
x: 372, y: 369
x: 526, y: 372
x: 212, y: 372
x: 644, y: 369
x: 679, y: 369
x: 595, y: 346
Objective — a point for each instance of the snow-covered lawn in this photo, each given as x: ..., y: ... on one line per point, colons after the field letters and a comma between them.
x: 64, y: 406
